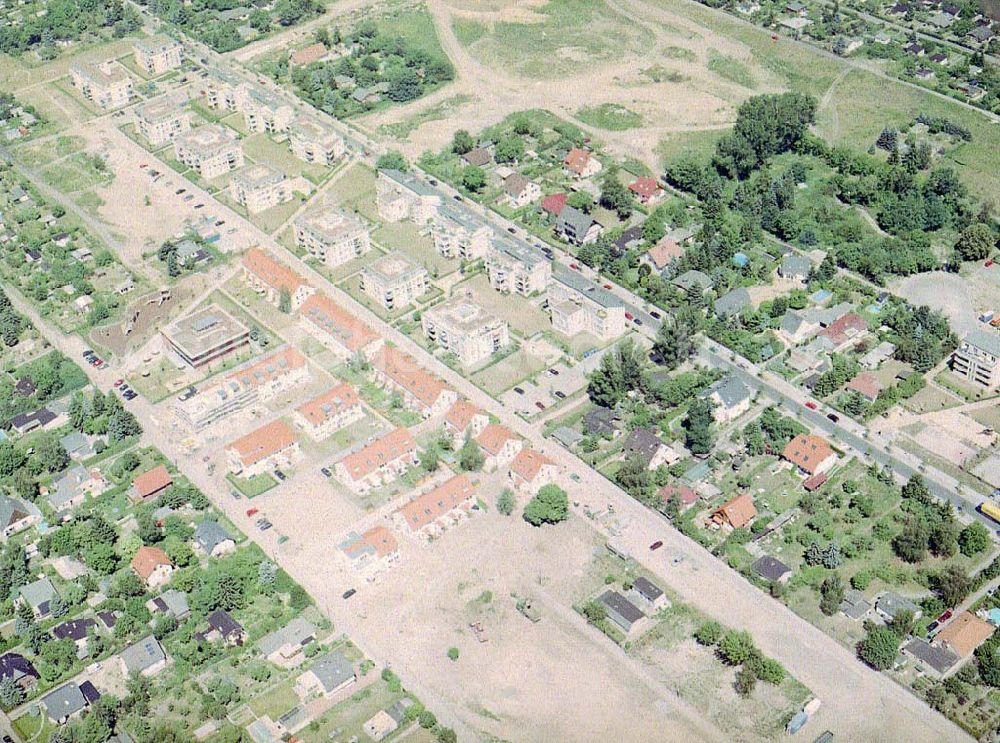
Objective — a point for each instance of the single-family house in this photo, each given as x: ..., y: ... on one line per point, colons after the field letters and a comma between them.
x: 686, y: 496
x: 581, y: 163
x: 284, y: 646
x: 865, y: 384
x: 17, y: 668
x: 854, y: 605
x: 65, y: 703
x: 144, y: 658
x: 963, y: 634
x: 661, y: 255
x: 732, y: 303
x: 647, y: 190
x: 603, y: 422
x: 212, y: 539
x: 172, y: 602
x: 150, y: 484
x: 464, y: 419
x: 645, y: 445
x: 38, y: 595
x: 847, y: 328
x: 692, y: 280
x: 736, y: 513
x: 889, y: 604
x: 577, y: 227
x: 931, y: 659
x: 620, y: 611
x: 326, y: 676
x: 499, y: 445
x: 518, y: 191
x: 647, y: 595
x: 795, y: 267
x: 531, y: 470
x: 811, y: 454
x: 771, y: 569
x: 17, y: 515
x: 731, y: 396
x: 152, y: 565
x: 222, y: 626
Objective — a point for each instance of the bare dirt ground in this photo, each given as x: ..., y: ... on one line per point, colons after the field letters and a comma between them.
x: 679, y: 52
x: 961, y: 297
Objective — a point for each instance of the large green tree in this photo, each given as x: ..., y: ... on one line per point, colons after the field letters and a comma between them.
x: 550, y: 506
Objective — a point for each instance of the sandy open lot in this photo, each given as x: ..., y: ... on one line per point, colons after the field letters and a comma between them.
x: 960, y: 297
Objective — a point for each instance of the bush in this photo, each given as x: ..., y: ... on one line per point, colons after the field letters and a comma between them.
x: 736, y: 647
x: 453, y: 654
x: 709, y: 633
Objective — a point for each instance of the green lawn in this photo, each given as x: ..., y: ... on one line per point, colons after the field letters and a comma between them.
x: 610, y: 116
x: 253, y: 486
x: 262, y: 149
x: 503, y: 375
x: 731, y: 69
x: 355, y: 191
x: 405, y: 236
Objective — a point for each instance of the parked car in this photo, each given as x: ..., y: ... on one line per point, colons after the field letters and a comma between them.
x: 510, y: 230
x: 518, y: 390
x: 350, y: 592
x: 264, y: 525
x: 638, y: 321
x: 629, y: 316
x: 119, y: 382
x: 179, y: 191
x: 811, y: 405
x: 554, y: 372
x: 833, y: 417
x: 131, y: 395
x: 607, y: 286
x: 252, y: 512
x: 280, y: 475
x: 654, y: 314
x: 87, y: 352
x: 539, y: 405
x: 656, y: 545
x: 575, y: 266
x: 236, y: 494
x: 326, y: 472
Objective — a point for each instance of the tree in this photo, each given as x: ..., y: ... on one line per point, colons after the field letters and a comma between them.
x: 550, y: 506
x: 78, y: 411
x: 509, y: 149
x: 699, y: 435
x: 173, y: 267
x: 952, y: 585
x: 427, y: 719
x: 902, y: 622
x: 473, y: 178
x: 581, y: 200
x: 285, y: 300
x: 770, y: 671
x: 404, y: 86
x: 745, y: 682
x: 11, y: 693
x: 506, y: 502
x: 709, y: 633
x: 392, y: 160
x: 470, y: 458
x: 736, y: 647
x: 976, y: 242
x: 430, y: 459
x: 595, y: 612
x: 675, y: 342
x: 879, y: 648
x: 911, y: 544
x: 462, y: 142
x: 452, y: 654
x: 615, y: 195
x: 973, y: 539
x: 832, y: 593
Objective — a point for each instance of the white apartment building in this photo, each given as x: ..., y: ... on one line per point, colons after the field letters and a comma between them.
x: 461, y: 327
x: 210, y: 151
x: 977, y: 358
x: 158, y: 54
x: 578, y: 305
x: 457, y: 235
x: 394, y: 281
x: 259, y: 187
x: 331, y: 235
x: 402, y: 196
x: 222, y: 89
x: 313, y: 142
x: 161, y: 120
x: 517, y: 267
x: 106, y: 84
x: 262, y: 110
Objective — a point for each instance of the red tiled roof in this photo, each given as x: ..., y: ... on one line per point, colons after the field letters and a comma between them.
x: 644, y: 187
x: 378, y: 537
x: 554, y: 203
x: 269, y: 439
x: 687, y: 495
x: 738, y: 512
x: 460, y: 415
x: 147, y: 559
x: 273, y: 273
x: 493, y: 437
x: 333, y: 401
x: 276, y: 365
x: 528, y: 463
x: 814, y: 482
x: 806, y: 451
x: 577, y: 159
x: 410, y: 376
x: 845, y: 327
x: 152, y: 482
x: 664, y: 252
x: 383, y: 451
x: 866, y: 384
x: 965, y: 633
x: 338, y: 323
x: 427, y: 508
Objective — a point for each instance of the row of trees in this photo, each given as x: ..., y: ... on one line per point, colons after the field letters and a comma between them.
x: 66, y: 20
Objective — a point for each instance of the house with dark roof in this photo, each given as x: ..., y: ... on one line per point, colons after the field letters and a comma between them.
x: 172, y: 602
x: 64, y: 703
x: 732, y: 303
x: 478, y: 156
x: 17, y: 515
x: 933, y: 660
x: 145, y: 658
x: 771, y: 569
x: 576, y: 227
x: 731, y: 396
x: 649, y: 449
x: 600, y: 421
x: 647, y: 594
x: 211, y: 538
x: 620, y: 611
x: 326, y: 676
x: 18, y: 669
x: 75, y: 630
x: 27, y: 422
x: 38, y: 595
x: 796, y: 267
x: 222, y: 626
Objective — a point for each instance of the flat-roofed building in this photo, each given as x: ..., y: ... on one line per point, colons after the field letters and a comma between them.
x: 157, y: 54
x: 205, y: 336
x: 513, y: 266
x: 394, y: 281
x: 313, y: 142
x: 263, y: 111
x: 457, y: 235
x: 428, y: 513
x: 402, y: 196
x: 331, y: 411
x: 422, y: 391
x: 105, y: 84
x: 270, y: 446
x: 160, y: 120
x: 331, y: 235
x: 259, y: 187
x: 977, y: 358
x: 269, y: 277
x: 379, y: 462
x: 338, y: 329
x: 210, y: 150
x: 461, y: 327
x: 222, y: 89
x: 578, y: 305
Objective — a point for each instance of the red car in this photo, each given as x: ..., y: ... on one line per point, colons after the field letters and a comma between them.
x: 944, y: 617
x: 252, y: 512
x: 811, y: 405
x: 119, y: 382
x: 607, y: 286
x: 628, y: 316
x: 989, y: 263
x: 655, y: 545
x: 574, y: 266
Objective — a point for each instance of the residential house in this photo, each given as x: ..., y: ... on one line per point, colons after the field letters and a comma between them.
x: 850, y: 327
x: 212, y: 539
x: 151, y: 483
x: 157, y: 54
x: 106, y: 84
x: 73, y: 486
x: 211, y: 151
x: 387, y: 721
x: 271, y: 278
x: 620, y: 611
x: 222, y: 627
x: 326, y: 676
x: 17, y: 515
x: 271, y: 446
x: 307, y: 55
x: 552, y: 205
x: 647, y: 595
x: 515, y: 266
x: 531, y: 470
x: 171, y: 602
x: 499, y: 445
x: 65, y: 703
x: 736, y: 513
x: 933, y: 660
x: 603, y: 422
x: 428, y: 513
x: 329, y: 412
x: 771, y: 569
x: 865, y: 384
x: 811, y: 454
x: 576, y: 227
x: 422, y: 391
x: 337, y: 329
x: 43, y: 418
x: 581, y: 163
x: 795, y: 267
x: 855, y: 606
x: 465, y: 329
x: 379, y: 462
x: 402, y: 196
x: 664, y: 253
x: 732, y: 303
x: 76, y: 630
x: 464, y: 419
x: 159, y: 121
x: 372, y: 551
x: 731, y: 397
x: 647, y: 190
x: 649, y: 449
x: 963, y: 634
x: 38, y: 595
x: 693, y: 280
x: 686, y: 497
x: 394, y: 281
x: 313, y: 142
x: 977, y: 358
x: 478, y: 157
x: 259, y: 187
x: 284, y: 646
x: 152, y: 565
x: 143, y: 658
x: 332, y: 236
x: 457, y: 234
x: 578, y: 305
x: 889, y: 604
x: 874, y: 358
x: 518, y: 191
x: 18, y: 669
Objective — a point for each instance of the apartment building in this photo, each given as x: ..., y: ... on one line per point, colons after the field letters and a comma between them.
x: 259, y: 187
x: 257, y: 382
x: 457, y: 235
x: 206, y: 335
x: 106, y: 84
x: 429, y: 513
x: 160, y: 120
x: 402, y: 196
x: 263, y: 111
x: 331, y: 235
x: 338, y: 329
x: 270, y: 277
x: 313, y: 142
x: 461, y: 327
x: 378, y: 463
x: 578, y: 305
x: 222, y: 89
x: 329, y: 412
x: 210, y: 150
x: 271, y: 446
x: 422, y: 391
x: 513, y: 266
x: 977, y: 358
x: 394, y: 281
x: 157, y: 54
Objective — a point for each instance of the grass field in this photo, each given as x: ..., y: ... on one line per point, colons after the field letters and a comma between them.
x: 523, y: 317
x: 251, y: 487
x: 610, y: 116
x: 415, y: 26
x: 405, y: 236
x: 400, y: 130
x: 731, y: 69
x: 502, y: 376
x: 355, y: 191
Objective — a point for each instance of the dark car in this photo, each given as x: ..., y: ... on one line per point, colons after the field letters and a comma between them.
x: 510, y: 230
x: 179, y: 191
x: 518, y: 390
x: 326, y: 472
x: 656, y: 545
x: 554, y: 372
x: 280, y: 475
x: 350, y: 592
x: 560, y: 394
x: 457, y: 197
x: 654, y: 314
x: 539, y: 405
x: 87, y: 352
x: 638, y: 321
x: 833, y: 416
